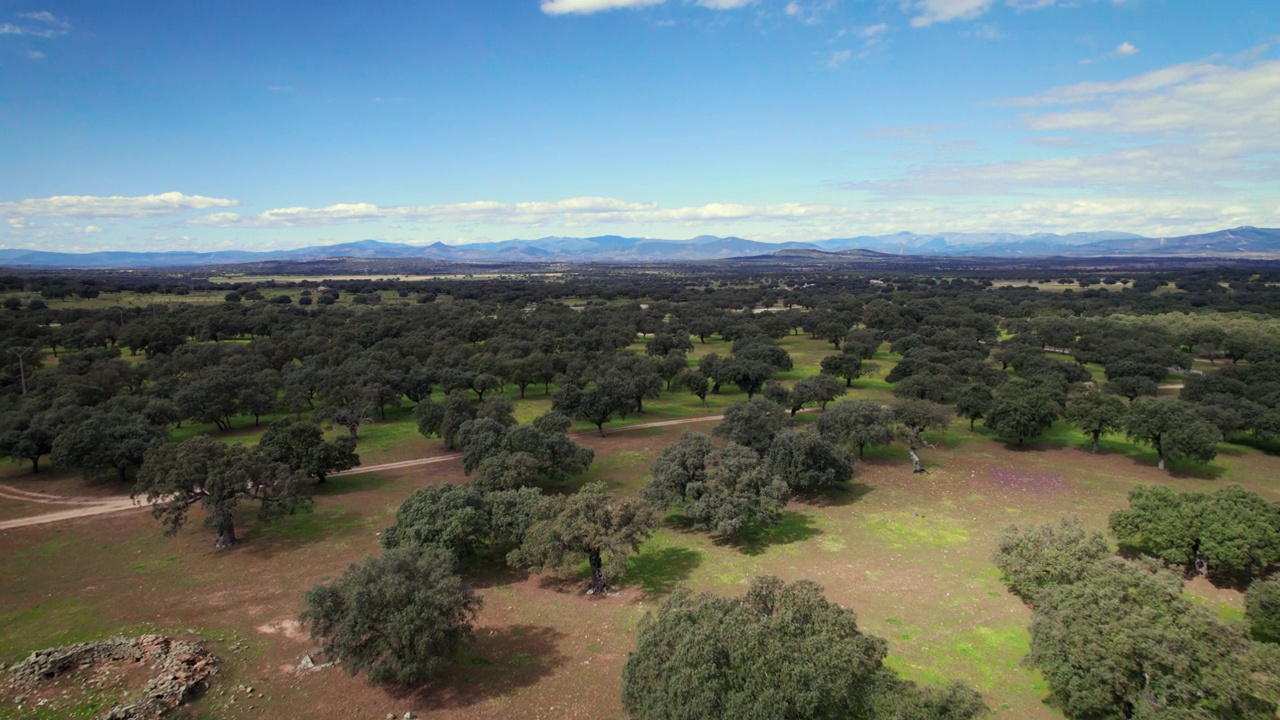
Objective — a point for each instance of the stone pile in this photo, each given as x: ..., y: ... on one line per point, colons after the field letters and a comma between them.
x: 182, y: 670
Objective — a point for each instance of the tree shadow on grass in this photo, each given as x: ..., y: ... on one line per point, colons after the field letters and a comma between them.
x: 837, y: 496
x: 1181, y: 468
x: 794, y: 527
x: 1030, y: 445
x: 348, y: 484
x: 658, y: 571
x: 1177, y: 467
x: 679, y: 522
x: 1270, y: 446
x: 488, y: 571
x: 570, y: 583
x: 502, y: 661
x: 293, y: 531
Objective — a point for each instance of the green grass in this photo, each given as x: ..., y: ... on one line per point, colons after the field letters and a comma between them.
x: 662, y: 564
x: 54, y: 622
x: 903, y: 530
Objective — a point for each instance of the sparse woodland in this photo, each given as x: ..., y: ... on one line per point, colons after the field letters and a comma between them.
x: 254, y: 394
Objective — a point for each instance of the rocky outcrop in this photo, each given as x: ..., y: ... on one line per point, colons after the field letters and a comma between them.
x: 182, y: 670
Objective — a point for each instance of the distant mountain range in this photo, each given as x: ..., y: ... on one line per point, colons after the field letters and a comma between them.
x: 1237, y: 242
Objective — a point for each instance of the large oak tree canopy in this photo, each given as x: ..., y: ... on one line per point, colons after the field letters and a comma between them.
x: 399, y: 617
x: 203, y: 471
x: 781, y: 651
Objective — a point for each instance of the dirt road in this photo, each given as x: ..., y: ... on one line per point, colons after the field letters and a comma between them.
x: 80, y: 507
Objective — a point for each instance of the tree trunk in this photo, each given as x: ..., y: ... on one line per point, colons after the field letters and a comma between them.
x: 971, y: 423
x: 1160, y: 454
x: 861, y: 447
x: 916, y: 466
x: 600, y: 427
x: 703, y: 398
x: 597, y: 573
x: 226, y: 536
x: 1094, y: 450
x: 123, y: 472
x: 35, y: 464
x: 640, y: 405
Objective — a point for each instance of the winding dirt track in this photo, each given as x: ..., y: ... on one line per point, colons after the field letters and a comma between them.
x: 80, y: 507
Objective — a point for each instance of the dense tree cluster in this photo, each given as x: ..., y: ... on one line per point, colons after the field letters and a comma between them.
x: 1122, y: 642
x: 1115, y: 638
x: 348, y: 363
x: 744, y: 485
x: 1231, y: 534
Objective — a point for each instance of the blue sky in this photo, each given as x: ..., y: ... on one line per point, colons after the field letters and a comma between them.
x: 183, y: 125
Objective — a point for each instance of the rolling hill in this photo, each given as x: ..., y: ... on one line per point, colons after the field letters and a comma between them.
x: 1236, y: 242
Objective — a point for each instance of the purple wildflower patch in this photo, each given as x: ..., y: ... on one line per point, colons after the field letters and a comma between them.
x: 1028, y: 482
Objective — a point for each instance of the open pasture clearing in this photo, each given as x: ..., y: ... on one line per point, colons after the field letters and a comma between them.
x: 909, y: 553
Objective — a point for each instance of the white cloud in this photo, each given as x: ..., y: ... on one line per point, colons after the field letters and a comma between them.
x: 571, y: 212
x: 939, y: 11
x: 90, y: 229
x: 113, y: 207
x: 726, y: 4
x: 1199, y: 101
x: 1125, y: 49
x: 47, y: 18
x: 297, y: 216
x: 838, y: 58
x: 1147, y: 82
x: 36, y: 55
x: 1150, y: 216
x: 809, y: 12
x: 586, y: 7
x: 46, y: 25
x: 930, y: 12
x: 872, y: 31
x: 1188, y: 147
